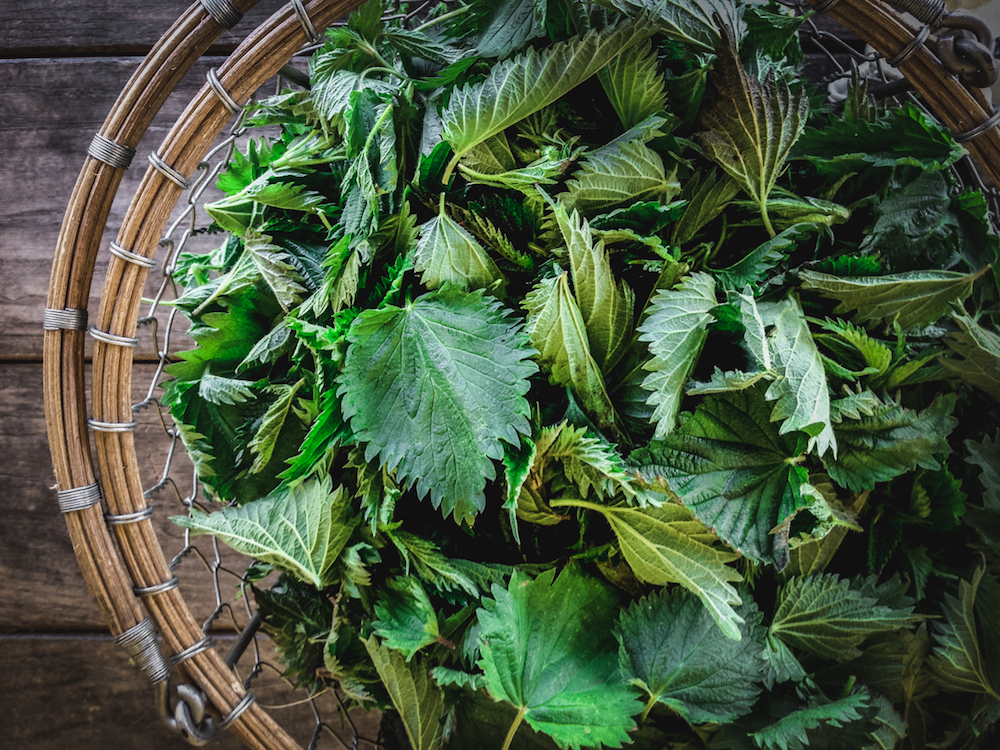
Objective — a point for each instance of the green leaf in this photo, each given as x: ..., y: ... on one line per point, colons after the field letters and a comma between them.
x: 443, y: 573
x: 519, y: 86
x: 802, y: 393
x: 272, y: 264
x: 792, y: 732
x: 728, y: 464
x: 225, y: 391
x: 958, y: 660
x: 986, y: 520
x: 406, y: 620
x: 547, y: 648
x: 481, y: 722
x: 752, y: 126
x: 447, y: 253
x: 914, y: 298
x: 675, y: 330
x: 891, y: 441
x: 668, y: 545
x: 557, y: 330
x: 620, y: 173
x: 434, y: 388
x: 499, y: 29
x: 265, y: 439
x: 671, y: 649
x: 415, y: 695
x: 979, y: 349
x: 756, y: 266
x: 606, y: 303
x: 690, y: 21
x: 302, y: 530
x: 830, y: 617
x: 707, y: 195
x: 634, y: 85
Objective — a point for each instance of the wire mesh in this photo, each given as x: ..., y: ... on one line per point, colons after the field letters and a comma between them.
x: 833, y: 58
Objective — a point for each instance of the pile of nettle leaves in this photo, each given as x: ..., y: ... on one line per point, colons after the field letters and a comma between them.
x: 589, y: 380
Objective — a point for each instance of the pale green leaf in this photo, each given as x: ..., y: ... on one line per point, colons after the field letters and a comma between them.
x: 706, y: 194
x: 792, y: 731
x: 447, y: 253
x: 547, y: 648
x: 434, y: 389
x: 521, y: 85
x: 225, y: 391
x: 301, y: 530
x: 671, y: 649
x: 269, y: 347
x: 417, y: 698
x: 979, y: 349
x: 557, y: 330
x: 405, y: 618
x: 605, y: 302
x: 266, y: 437
x: 690, y: 21
x: 752, y: 125
x: 721, y: 382
x: 543, y: 171
x: 634, y: 85
x: 493, y: 156
x: 667, y: 544
x: 986, y: 456
x: 802, y: 393
x: 620, y: 173
x: 754, y: 330
x: 911, y: 299
x: 830, y: 617
x: 272, y: 263
x: 675, y: 330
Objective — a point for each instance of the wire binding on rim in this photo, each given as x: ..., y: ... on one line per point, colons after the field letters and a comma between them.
x: 907, y: 52
x: 129, y: 257
x: 113, y: 338
x: 140, y: 643
x: 79, y: 498
x: 224, y: 96
x: 980, y: 129
x: 66, y: 319
x: 193, y: 650
x: 113, y: 154
x: 238, y: 710
x: 312, y: 35
x: 159, y: 588
x: 98, y: 426
x: 169, y: 172
x: 223, y: 11
x: 124, y: 518
x: 826, y: 6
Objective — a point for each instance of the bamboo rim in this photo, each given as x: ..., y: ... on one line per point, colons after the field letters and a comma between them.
x: 113, y: 563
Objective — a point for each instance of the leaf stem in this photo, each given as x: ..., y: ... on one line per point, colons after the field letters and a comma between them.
x: 445, y: 17
x: 446, y: 178
x: 513, y: 728
x: 649, y: 707
x: 767, y: 219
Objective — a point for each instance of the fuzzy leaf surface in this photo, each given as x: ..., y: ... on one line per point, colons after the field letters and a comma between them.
x: 620, y: 174
x: 689, y: 21
x: 634, y: 85
x: 434, y: 388
x: 448, y: 253
x: 548, y: 649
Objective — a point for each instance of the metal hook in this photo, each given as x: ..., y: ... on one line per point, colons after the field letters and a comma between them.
x: 189, y: 716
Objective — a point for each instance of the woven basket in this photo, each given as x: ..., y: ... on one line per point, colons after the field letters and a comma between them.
x: 117, y: 549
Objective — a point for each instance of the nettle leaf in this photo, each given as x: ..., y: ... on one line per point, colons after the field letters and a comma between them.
x: 757, y: 265
x: 500, y: 28
x: 265, y: 439
x: 798, y: 730
x: 752, y: 126
x: 434, y: 388
x: 634, y: 84
x: 447, y: 253
x: 979, y: 349
x: 225, y: 391
x: 606, y: 302
x: 890, y: 441
x: 707, y: 194
x: 585, y: 461
x: 406, y: 620
x: 619, y: 173
x: 415, y: 695
x: 548, y: 649
x: 986, y: 455
x: 271, y: 262
x: 958, y: 660
x: 802, y: 392
x: 914, y: 298
x: 690, y: 21
x: 301, y: 530
x: 667, y: 544
x: 830, y: 617
x: 728, y: 464
x: 671, y: 649
x: 557, y: 330
x: 675, y: 329
x: 521, y: 85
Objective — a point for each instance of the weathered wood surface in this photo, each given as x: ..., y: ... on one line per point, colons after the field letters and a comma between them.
x: 53, y: 28
x: 80, y: 692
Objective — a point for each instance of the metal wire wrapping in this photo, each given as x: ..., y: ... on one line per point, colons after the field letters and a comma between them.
x: 840, y: 58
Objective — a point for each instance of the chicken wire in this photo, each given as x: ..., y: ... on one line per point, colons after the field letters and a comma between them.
x: 833, y: 58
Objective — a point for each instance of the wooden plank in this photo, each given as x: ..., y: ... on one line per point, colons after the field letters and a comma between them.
x: 81, y: 692
x: 40, y: 583
x: 43, y: 28
x: 52, y: 110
